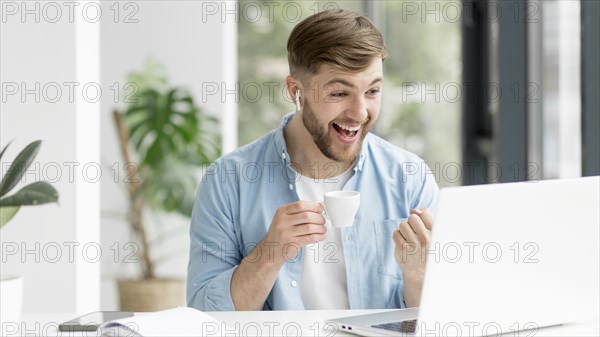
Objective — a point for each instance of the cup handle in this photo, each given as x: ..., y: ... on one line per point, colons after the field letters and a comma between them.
x: 324, y: 212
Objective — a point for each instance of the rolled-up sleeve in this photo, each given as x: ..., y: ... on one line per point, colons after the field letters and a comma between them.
x: 214, y: 248
x: 427, y: 190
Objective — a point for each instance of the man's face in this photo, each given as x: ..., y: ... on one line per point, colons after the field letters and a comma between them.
x: 341, y: 107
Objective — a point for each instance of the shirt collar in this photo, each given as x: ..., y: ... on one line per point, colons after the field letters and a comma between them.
x: 281, y: 147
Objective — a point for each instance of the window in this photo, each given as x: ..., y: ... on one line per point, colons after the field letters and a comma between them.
x: 422, y: 95
x: 421, y: 100
x: 561, y: 82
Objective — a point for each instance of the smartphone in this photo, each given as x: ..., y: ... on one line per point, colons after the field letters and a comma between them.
x: 91, y: 321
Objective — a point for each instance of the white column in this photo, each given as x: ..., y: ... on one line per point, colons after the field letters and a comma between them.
x: 87, y: 151
x: 229, y: 120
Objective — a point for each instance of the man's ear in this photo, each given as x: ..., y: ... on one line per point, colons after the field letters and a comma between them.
x: 294, y: 86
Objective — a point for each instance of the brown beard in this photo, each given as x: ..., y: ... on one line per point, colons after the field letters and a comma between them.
x: 323, y: 140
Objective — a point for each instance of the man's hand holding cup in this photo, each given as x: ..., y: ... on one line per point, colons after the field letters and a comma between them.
x: 295, y: 225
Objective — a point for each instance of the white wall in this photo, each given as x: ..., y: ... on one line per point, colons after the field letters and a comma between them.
x: 190, y: 44
x: 39, y: 54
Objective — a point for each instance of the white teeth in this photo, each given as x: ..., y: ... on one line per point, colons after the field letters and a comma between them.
x: 347, y: 128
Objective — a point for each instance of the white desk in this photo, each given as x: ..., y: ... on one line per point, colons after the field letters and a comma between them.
x: 274, y: 323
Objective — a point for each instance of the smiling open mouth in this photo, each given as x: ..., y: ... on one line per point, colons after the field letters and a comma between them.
x: 346, y: 131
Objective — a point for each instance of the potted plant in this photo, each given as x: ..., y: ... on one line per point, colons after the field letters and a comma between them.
x: 38, y: 193
x: 169, y: 137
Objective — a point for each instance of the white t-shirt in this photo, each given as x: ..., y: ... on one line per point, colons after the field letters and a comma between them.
x: 323, y: 285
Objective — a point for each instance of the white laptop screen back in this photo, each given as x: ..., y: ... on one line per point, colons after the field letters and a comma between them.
x: 513, y: 256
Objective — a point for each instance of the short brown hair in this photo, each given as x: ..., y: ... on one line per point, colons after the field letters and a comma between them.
x: 340, y: 38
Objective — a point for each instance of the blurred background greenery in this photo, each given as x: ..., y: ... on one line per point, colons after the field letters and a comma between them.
x: 422, y: 72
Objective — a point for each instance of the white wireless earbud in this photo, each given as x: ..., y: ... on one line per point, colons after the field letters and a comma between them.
x: 298, y: 99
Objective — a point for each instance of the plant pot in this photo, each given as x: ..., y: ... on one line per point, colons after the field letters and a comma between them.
x: 151, y: 294
x: 11, y: 300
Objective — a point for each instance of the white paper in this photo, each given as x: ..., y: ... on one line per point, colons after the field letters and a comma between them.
x: 181, y: 322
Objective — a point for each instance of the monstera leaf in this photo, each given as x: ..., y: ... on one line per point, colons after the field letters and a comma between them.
x: 162, y: 125
x: 171, y: 140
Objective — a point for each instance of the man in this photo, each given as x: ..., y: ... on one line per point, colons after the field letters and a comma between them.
x: 258, y: 236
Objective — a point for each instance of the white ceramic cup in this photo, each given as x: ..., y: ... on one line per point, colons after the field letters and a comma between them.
x: 340, y: 207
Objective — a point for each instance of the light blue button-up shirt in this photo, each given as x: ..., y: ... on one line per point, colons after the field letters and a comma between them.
x: 240, y: 193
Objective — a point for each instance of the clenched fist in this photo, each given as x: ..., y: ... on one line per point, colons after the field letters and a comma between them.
x: 412, y: 241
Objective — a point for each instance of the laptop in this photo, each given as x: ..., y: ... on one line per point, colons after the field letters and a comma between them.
x: 504, y: 258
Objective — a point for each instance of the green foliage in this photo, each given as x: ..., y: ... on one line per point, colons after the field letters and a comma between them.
x: 409, y: 121
x: 172, y: 139
x: 18, y: 167
x: 7, y: 213
x: 37, y: 193
x: 162, y: 124
x: 172, y: 188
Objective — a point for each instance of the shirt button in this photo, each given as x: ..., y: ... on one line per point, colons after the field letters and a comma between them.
x: 291, y: 187
x: 294, y: 283
x: 349, y: 237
